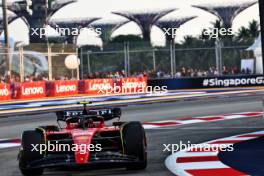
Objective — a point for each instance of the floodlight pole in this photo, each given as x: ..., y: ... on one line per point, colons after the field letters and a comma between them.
x: 21, y: 63
x: 88, y: 61
x: 125, y: 60
x: 78, y: 65
x: 5, y: 25
x: 261, y: 14
x: 154, y: 59
x: 81, y: 62
x: 128, y: 60
x: 50, y: 62
x: 173, y: 58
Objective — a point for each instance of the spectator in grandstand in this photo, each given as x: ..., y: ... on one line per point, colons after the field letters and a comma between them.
x: 17, y: 79
x: 178, y: 75
x: 182, y: 72
x: 2, y: 79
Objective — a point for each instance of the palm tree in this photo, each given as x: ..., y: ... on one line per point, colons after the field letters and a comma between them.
x: 243, y: 34
x: 249, y: 34
x: 188, y: 40
x: 253, y: 29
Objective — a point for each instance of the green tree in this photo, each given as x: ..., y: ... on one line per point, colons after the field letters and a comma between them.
x: 247, y: 35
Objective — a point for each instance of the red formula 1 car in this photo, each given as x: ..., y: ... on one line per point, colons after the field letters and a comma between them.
x: 84, y: 140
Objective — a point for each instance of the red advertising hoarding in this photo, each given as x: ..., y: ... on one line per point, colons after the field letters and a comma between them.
x: 134, y: 85
x: 42, y: 89
x: 97, y: 86
x: 30, y: 90
x: 62, y: 88
x: 5, y: 93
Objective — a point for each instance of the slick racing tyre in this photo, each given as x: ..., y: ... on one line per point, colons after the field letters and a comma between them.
x: 134, y: 141
x: 26, y: 154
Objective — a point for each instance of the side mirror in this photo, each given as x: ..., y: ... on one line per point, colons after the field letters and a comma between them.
x: 117, y: 112
x: 60, y: 116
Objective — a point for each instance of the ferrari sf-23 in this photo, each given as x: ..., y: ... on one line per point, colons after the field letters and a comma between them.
x: 86, y: 141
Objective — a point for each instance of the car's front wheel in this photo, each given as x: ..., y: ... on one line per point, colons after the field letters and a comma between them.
x: 134, y: 141
x: 27, y: 154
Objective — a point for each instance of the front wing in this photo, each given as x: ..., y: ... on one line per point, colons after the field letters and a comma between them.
x: 111, y: 159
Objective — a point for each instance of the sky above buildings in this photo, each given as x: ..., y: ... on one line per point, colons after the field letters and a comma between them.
x: 103, y: 9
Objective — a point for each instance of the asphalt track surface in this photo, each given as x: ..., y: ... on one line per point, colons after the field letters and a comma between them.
x: 196, y: 133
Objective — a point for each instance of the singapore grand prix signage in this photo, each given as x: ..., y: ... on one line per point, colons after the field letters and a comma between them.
x: 233, y: 82
x: 210, y: 82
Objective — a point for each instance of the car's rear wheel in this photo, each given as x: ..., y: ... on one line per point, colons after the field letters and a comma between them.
x: 134, y: 141
x: 27, y: 154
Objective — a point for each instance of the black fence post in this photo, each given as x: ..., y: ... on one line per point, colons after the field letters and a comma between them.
x: 261, y: 14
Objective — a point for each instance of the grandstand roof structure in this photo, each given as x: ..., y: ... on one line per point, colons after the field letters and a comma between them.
x: 226, y: 13
x: 172, y: 23
x: 145, y: 19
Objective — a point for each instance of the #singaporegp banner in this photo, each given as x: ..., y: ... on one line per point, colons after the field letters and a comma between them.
x: 209, y: 82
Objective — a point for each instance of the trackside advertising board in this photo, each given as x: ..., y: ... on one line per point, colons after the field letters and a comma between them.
x: 30, y: 90
x: 62, y: 88
x: 40, y: 89
x: 5, y: 93
x: 113, y: 86
x: 96, y: 86
x: 134, y: 85
x: 209, y: 82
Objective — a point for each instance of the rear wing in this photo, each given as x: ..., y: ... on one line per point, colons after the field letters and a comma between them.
x: 106, y: 113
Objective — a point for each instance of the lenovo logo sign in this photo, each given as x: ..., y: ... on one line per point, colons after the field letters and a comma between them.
x: 100, y: 86
x: 32, y: 90
x: 4, y: 92
x: 65, y: 88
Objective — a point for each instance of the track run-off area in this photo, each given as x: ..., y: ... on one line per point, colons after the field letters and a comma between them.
x: 197, y: 121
